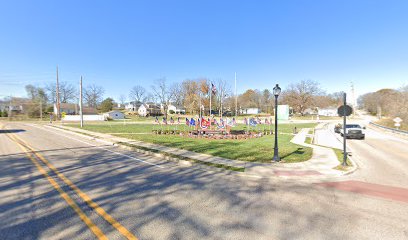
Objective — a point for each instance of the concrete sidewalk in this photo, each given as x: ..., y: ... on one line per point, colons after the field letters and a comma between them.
x: 320, y: 165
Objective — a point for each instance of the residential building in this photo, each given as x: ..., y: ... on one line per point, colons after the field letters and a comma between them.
x: 176, y: 109
x: 250, y: 111
x: 114, y: 115
x: 73, y: 109
x: 132, y: 106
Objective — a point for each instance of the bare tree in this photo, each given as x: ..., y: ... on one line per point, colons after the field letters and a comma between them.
x: 162, y: 93
x: 177, y: 93
x: 137, y: 93
x: 301, y: 95
x: 122, y: 99
x: 93, y: 95
x: 190, y: 91
x: 38, y: 100
x: 68, y: 92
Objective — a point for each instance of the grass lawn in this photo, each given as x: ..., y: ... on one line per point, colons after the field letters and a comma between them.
x: 256, y: 149
x: 339, y: 154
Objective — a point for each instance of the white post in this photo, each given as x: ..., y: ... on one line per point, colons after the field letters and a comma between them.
x: 80, y: 103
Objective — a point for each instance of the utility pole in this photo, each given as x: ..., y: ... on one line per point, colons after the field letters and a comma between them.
x: 57, y: 98
x: 80, y: 103
x: 199, y: 104
x: 236, y: 96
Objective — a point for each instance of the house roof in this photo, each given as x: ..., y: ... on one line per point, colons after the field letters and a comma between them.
x: 68, y: 105
x: 89, y: 110
x: 113, y: 111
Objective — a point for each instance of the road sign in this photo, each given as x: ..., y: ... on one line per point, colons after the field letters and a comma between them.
x: 397, y: 120
x: 340, y: 110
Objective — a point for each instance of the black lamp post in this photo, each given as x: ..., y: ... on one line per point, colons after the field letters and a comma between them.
x: 276, y: 92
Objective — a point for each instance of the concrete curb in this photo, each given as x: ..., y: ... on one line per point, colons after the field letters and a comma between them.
x: 354, y: 163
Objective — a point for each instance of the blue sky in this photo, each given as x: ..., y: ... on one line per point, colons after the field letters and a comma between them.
x: 119, y: 44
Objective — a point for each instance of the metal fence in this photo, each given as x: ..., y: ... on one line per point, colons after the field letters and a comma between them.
x: 390, y: 129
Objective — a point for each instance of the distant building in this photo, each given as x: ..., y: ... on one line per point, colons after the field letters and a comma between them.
x: 16, y: 106
x: 329, y: 112
x: 143, y: 110
x: 73, y: 109
x: 250, y: 111
x: 132, y: 106
x: 67, y: 108
x: 114, y: 115
x: 176, y: 109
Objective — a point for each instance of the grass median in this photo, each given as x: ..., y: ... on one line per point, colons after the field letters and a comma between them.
x: 253, y: 150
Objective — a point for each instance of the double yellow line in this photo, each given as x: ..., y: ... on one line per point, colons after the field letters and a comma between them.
x: 33, y: 156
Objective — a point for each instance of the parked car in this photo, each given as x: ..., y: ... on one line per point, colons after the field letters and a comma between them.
x: 353, y: 131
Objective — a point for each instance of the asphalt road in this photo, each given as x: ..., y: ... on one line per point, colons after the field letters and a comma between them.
x: 381, y: 157
x: 124, y: 194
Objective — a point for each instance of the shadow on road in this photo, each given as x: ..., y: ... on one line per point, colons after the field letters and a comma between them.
x: 11, y: 130
x: 174, y: 203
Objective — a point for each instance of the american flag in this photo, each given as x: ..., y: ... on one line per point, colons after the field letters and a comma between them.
x: 204, y: 123
x: 267, y: 121
x: 213, y: 88
x: 252, y: 122
x: 164, y: 120
x: 192, y: 122
x: 178, y: 120
x: 187, y: 122
x: 156, y: 121
x: 221, y: 122
x: 171, y: 120
x: 245, y: 121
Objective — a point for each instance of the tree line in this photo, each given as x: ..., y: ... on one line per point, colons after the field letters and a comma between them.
x: 386, y: 102
x: 191, y: 94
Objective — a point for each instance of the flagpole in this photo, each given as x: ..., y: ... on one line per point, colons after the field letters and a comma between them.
x: 210, y: 99
x: 236, y: 96
x: 199, y: 103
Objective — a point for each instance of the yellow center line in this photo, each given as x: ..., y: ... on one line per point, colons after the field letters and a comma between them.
x: 95, y: 229
x: 124, y: 231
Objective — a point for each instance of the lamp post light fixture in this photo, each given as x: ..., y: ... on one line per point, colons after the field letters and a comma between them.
x: 276, y: 92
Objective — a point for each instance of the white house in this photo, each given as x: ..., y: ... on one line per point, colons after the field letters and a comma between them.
x: 114, y: 115
x: 250, y: 111
x: 330, y: 112
x: 132, y: 106
x: 143, y: 110
x: 176, y: 109
x: 68, y: 108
